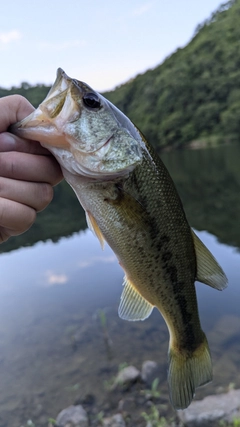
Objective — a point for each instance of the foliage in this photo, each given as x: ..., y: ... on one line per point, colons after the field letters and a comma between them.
x: 51, y: 422
x: 35, y: 94
x: 234, y: 423
x: 153, y: 393
x: 103, y: 318
x: 153, y: 418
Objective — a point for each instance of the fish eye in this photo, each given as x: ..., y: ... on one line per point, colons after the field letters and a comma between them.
x: 91, y: 100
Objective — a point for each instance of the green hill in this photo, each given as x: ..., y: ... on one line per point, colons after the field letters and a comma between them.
x: 195, y: 93
x: 193, y: 97
x: 35, y: 94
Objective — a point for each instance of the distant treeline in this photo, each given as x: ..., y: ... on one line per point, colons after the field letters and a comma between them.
x: 35, y: 94
x: 193, y: 96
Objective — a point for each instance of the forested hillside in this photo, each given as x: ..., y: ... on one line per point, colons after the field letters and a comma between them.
x: 193, y: 96
x: 195, y: 93
x: 35, y: 94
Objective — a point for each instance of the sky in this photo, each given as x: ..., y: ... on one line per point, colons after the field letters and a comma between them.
x: 101, y: 42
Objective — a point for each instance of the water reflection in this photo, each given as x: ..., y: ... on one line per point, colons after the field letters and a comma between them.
x: 208, y: 182
x: 51, y: 293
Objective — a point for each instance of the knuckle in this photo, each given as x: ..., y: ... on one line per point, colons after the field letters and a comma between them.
x: 4, y: 164
x: 8, y: 164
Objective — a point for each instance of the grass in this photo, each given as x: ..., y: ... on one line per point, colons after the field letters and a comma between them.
x: 153, y: 393
x: 153, y: 418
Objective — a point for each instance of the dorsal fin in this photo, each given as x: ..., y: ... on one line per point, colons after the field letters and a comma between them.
x: 92, y: 224
x: 208, y: 270
x: 132, y: 305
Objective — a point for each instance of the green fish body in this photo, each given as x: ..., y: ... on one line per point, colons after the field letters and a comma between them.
x: 131, y: 203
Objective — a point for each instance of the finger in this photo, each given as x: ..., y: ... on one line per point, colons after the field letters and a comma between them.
x: 33, y: 194
x: 13, y: 108
x: 29, y: 167
x: 15, y: 218
x: 10, y: 142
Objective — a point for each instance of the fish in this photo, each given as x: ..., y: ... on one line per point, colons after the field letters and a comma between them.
x: 131, y: 203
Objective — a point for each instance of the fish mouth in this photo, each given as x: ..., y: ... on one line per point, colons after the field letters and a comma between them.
x: 45, y: 124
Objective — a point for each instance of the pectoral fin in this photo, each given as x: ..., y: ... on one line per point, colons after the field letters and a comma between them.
x: 132, y: 305
x: 208, y: 270
x: 92, y: 224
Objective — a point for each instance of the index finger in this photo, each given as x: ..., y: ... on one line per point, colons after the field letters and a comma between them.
x: 13, y: 108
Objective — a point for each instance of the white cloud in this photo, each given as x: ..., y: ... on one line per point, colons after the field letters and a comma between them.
x: 55, y: 279
x: 9, y: 36
x: 93, y: 260
x: 142, y: 9
x: 62, y: 45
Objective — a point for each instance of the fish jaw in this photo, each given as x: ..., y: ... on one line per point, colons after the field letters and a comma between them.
x: 46, y: 124
x: 39, y: 126
x: 94, y: 141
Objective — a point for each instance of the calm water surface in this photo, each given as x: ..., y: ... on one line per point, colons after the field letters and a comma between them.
x: 52, y: 348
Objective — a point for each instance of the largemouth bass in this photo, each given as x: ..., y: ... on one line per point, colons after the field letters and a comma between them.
x: 131, y: 203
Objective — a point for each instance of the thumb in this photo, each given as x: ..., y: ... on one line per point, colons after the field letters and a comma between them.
x: 13, y: 108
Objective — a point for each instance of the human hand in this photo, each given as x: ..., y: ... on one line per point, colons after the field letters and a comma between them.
x: 27, y: 172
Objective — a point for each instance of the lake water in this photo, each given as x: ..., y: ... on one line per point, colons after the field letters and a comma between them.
x: 53, y: 350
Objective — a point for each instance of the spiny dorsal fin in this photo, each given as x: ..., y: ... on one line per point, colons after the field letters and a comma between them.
x: 208, y: 270
x: 132, y: 305
x: 92, y: 224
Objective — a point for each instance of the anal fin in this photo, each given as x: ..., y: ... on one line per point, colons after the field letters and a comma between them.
x: 92, y: 224
x: 132, y: 305
x: 208, y: 270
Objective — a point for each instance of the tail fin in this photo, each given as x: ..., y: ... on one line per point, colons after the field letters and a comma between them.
x: 187, y: 371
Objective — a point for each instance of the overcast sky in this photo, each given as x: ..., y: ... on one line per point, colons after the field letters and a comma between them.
x: 101, y: 42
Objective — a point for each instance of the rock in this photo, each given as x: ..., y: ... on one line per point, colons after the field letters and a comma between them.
x: 89, y: 400
x: 149, y: 371
x: 127, y: 376
x: 115, y: 421
x: 209, y: 411
x: 73, y: 416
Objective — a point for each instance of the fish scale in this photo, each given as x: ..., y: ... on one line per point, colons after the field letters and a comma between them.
x: 131, y: 202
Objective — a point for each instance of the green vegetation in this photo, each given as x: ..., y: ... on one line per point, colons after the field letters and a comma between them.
x: 35, y: 94
x: 153, y: 393
x: 51, y: 422
x: 153, y: 418
x: 234, y: 423
x: 194, y: 96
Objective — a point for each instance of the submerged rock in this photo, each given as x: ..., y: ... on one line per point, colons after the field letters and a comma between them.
x: 149, y: 371
x: 115, y: 421
x: 211, y: 410
x: 127, y: 376
x: 73, y: 416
